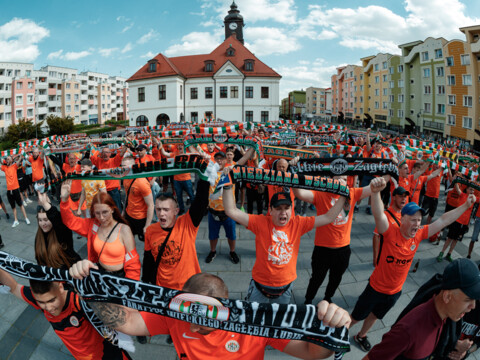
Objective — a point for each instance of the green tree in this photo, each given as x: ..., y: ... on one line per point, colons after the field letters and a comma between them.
x: 59, y: 126
x: 24, y: 130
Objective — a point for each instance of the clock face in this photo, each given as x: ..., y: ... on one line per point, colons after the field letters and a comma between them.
x: 232, y: 26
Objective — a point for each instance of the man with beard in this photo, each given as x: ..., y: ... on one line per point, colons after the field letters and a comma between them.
x: 399, y: 247
x: 277, y: 243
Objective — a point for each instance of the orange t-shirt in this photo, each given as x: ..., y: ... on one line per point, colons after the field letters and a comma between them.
x: 273, y: 189
x: 181, y: 177
x: 37, y: 168
x: 391, y: 220
x: 453, y: 197
x: 136, y: 207
x: 108, y: 164
x: 395, y: 259
x: 11, y: 176
x: 179, y: 261
x: 276, y: 248
x: 144, y: 160
x: 337, y: 233
x: 465, y: 217
x: 219, y: 344
x: 76, y: 184
x: 416, y: 188
x: 433, y: 187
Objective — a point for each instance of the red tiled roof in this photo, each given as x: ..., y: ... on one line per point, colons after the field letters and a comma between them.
x: 193, y: 66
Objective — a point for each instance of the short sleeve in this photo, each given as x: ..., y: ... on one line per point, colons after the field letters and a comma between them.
x: 156, y: 324
x: 254, y: 222
x: 356, y: 193
x: 278, y: 344
x: 394, y: 343
x: 145, y: 188
x: 424, y: 232
x: 306, y: 223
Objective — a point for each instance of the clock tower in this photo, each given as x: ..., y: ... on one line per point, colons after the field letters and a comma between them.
x: 234, y: 23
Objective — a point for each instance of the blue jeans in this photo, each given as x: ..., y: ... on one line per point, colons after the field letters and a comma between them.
x: 255, y: 295
x: 179, y: 187
x: 476, y: 230
x: 115, y: 194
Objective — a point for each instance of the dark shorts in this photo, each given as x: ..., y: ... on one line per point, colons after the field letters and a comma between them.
x: 430, y: 205
x: 215, y: 225
x: 449, y: 207
x: 456, y: 231
x: 137, y: 225
x: 371, y: 301
x: 13, y: 196
x: 22, y: 181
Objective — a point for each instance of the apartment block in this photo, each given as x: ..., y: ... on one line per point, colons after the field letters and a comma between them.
x: 462, y: 62
x: 347, y: 92
x: 316, y: 101
x: 87, y: 97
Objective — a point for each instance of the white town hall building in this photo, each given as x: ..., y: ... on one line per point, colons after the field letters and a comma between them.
x: 230, y: 84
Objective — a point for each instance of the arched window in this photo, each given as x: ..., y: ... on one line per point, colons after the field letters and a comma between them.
x: 163, y: 120
x: 142, y: 120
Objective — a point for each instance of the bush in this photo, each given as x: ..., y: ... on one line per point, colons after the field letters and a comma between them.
x: 59, y: 126
x: 100, y: 130
x: 117, y: 122
x: 84, y: 127
x: 24, y: 130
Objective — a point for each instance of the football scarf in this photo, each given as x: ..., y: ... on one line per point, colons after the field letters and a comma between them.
x: 287, y: 153
x: 278, y: 321
x: 241, y: 140
x: 345, y: 166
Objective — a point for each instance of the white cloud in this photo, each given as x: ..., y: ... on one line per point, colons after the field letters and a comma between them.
x: 19, y: 40
x: 127, y: 48
x: 268, y: 41
x: 195, y: 43
x: 107, y: 52
x: 148, y: 55
x: 128, y: 27
x: 75, y: 55
x: 55, y: 55
x: 152, y: 34
x: 380, y: 29
x: 69, y: 56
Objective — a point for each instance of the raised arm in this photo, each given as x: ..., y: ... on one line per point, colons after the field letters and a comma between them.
x: 421, y: 171
x: 7, y: 279
x: 231, y: 209
x: 434, y: 174
x: 79, y: 225
x: 331, y: 215
x: 149, y: 201
x: 450, y: 216
x: 200, y: 202
x: 381, y: 220
x: 247, y: 156
x: 304, y: 195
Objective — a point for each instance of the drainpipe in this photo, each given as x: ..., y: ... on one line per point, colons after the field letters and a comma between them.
x: 243, y: 99
x: 215, y: 98
x: 184, y: 105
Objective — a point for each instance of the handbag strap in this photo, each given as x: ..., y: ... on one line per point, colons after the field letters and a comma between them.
x: 128, y: 193
x: 106, y: 240
x: 160, y: 254
x: 393, y: 217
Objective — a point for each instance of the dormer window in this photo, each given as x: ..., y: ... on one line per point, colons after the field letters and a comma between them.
x: 230, y: 51
x: 152, y: 65
x: 209, y: 65
x: 249, y: 64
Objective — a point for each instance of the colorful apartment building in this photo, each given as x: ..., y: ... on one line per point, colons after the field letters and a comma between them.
x: 87, y: 97
x: 396, y: 97
x: 347, y: 93
x: 316, y: 102
x: 462, y: 59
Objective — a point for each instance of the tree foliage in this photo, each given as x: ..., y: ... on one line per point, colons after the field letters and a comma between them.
x: 59, y: 126
x: 24, y: 130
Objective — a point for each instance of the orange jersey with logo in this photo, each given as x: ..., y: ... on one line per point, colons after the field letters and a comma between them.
x: 136, y: 207
x: 395, y: 259
x: 276, y: 248
x: 11, y: 176
x: 219, y: 344
x: 37, y: 168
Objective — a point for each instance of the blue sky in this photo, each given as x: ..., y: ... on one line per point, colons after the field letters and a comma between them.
x: 302, y: 40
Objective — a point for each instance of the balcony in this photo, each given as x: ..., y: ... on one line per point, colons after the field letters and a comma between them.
x: 42, y: 98
x: 42, y: 110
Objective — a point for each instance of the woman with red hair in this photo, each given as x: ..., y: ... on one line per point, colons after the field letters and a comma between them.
x: 110, y: 241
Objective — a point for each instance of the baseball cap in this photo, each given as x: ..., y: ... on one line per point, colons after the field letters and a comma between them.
x: 280, y: 198
x: 411, y: 208
x: 400, y: 191
x: 141, y: 147
x: 86, y: 162
x: 220, y: 153
x: 462, y: 274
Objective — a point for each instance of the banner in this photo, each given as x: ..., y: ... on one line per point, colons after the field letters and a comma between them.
x: 278, y: 321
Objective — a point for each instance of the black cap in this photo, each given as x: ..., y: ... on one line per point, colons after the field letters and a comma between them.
x: 400, y: 191
x: 462, y: 274
x: 141, y: 147
x: 220, y: 153
x: 280, y: 198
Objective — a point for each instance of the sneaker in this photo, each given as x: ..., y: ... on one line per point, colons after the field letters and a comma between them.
x: 211, y: 255
x: 234, y: 257
x: 15, y: 223
x: 449, y: 258
x: 242, y: 209
x: 368, y: 210
x: 363, y: 343
x: 8, y: 216
x: 27, y: 221
x: 29, y: 201
x: 25, y: 203
x: 440, y: 257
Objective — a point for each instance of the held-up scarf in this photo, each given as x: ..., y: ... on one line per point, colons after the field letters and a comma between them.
x: 459, y: 180
x: 279, y: 178
x: 250, y: 141
x: 287, y: 153
x: 278, y: 321
x: 345, y: 166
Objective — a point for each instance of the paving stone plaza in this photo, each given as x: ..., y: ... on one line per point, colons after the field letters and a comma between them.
x: 25, y: 333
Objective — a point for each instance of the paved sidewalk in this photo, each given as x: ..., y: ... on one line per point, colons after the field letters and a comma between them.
x: 25, y: 334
